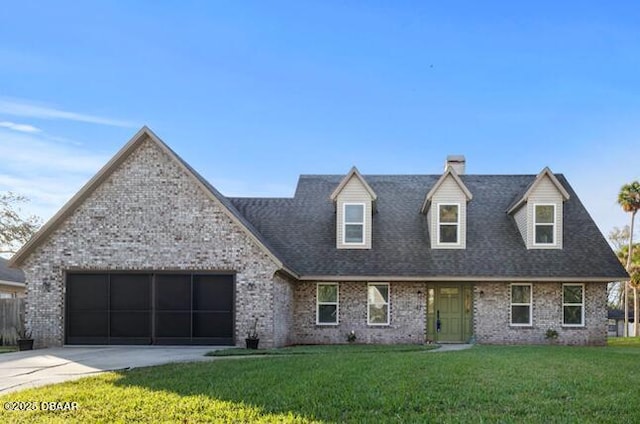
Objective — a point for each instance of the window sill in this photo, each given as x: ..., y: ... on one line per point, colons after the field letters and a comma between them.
x: 573, y: 326
x: 327, y: 325
x: 529, y: 326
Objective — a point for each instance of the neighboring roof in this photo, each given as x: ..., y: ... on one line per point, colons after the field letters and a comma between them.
x: 142, y: 135
x: 449, y: 172
x: 303, y: 230
x: 353, y: 173
x: 546, y: 172
x: 618, y: 314
x: 10, y: 274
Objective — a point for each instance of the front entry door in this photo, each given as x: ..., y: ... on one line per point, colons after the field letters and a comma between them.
x: 449, y: 313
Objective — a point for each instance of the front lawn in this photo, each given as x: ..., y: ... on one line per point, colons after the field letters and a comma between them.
x: 323, y: 349
x: 482, y: 384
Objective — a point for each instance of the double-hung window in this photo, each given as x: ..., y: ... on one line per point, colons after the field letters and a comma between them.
x: 327, y: 304
x: 544, y: 224
x: 521, y: 304
x: 378, y: 304
x: 353, y: 231
x: 448, y: 223
x: 573, y: 305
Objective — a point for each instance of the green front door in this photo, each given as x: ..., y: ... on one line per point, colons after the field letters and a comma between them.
x: 449, y: 314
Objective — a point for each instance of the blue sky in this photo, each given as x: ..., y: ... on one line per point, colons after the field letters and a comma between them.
x: 252, y: 94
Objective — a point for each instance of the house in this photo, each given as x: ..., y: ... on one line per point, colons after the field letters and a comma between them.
x: 616, y: 322
x: 11, y: 281
x: 148, y: 252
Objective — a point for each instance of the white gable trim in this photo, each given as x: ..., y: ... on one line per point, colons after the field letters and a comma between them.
x: 353, y: 173
x: 546, y: 172
x: 450, y: 172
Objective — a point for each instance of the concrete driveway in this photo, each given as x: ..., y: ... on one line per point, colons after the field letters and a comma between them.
x: 21, y: 370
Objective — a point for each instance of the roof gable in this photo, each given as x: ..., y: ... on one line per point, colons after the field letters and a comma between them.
x: 10, y: 274
x: 448, y: 173
x: 140, y: 137
x: 353, y: 173
x: 545, y: 173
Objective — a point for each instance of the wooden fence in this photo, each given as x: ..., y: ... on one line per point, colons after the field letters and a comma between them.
x: 11, y: 316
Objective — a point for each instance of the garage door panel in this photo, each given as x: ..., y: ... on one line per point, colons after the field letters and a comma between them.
x: 213, y: 324
x: 88, y: 291
x: 131, y: 324
x: 173, y: 324
x: 130, y: 292
x: 173, y: 292
x: 88, y: 327
x: 213, y: 292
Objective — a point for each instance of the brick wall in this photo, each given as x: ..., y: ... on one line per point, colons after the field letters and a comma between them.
x: 283, y: 318
x: 407, y: 321
x: 148, y: 215
x: 492, y: 315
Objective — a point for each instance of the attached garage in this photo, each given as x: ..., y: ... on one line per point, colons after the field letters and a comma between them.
x: 149, y: 308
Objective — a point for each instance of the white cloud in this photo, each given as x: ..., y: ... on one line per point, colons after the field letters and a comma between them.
x: 19, y: 127
x: 46, y: 171
x: 29, y: 109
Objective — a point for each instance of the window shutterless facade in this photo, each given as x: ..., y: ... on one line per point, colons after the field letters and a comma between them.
x: 573, y: 305
x: 448, y: 223
x: 378, y: 302
x: 327, y: 303
x: 544, y: 224
x: 353, y: 223
x: 521, y: 304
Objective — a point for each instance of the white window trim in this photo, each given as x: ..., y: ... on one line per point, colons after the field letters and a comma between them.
x: 337, y: 303
x: 582, y: 323
x: 459, y: 241
x: 555, y: 223
x: 512, y: 304
x: 345, y: 223
x: 380, y: 324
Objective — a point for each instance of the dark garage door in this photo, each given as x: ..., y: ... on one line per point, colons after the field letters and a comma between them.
x: 178, y: 309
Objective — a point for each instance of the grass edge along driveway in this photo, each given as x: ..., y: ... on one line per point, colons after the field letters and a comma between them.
x: 342, y: 384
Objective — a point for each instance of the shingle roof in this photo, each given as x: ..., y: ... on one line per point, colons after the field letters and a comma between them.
x: 302, y: 231
x: 10, y: 274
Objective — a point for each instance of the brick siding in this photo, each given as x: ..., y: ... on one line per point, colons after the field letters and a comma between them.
x: 148, y: 215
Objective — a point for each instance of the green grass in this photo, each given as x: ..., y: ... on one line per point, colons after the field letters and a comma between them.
x: 546, y: 384
x: 322, y: 349
x: 624, y: 342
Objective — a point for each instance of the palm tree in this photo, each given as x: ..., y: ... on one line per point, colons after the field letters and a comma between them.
x: 629, y: 199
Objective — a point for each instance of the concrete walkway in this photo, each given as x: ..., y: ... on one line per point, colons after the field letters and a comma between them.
x: 21, y: 370
x: 451, y: 348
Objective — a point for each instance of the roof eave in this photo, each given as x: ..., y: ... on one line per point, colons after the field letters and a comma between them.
x: 445, y: 278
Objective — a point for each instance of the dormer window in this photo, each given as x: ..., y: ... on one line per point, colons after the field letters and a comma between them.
x: 448, y: 223
x: 539, y: 212
x: 353, y: 223
x: 544, y: 224
x: 446, y: 207
x: 355, y: 203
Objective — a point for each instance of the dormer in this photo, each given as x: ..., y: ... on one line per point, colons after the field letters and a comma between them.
x: 355, y: 204
x: 446, y: 208
x: 538, y: 213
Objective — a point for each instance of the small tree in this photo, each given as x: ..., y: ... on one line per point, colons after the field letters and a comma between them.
x: 15, y: 230
x: 629, y: 200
